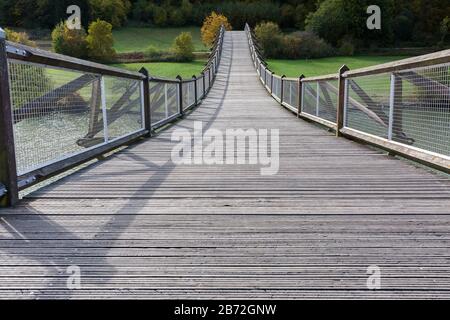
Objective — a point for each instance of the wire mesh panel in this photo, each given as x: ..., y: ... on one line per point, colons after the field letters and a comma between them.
x: 164, y: 101
x: 200, y: 87
x: 328, y: 100
x: 124, y: 108
x: 207, y: 80
x: 421, y: 108
x: 276, y: 87
x: 290, y: 92
x: 188, y: 94
x: 56, y: 113
x: 367, y: 104
x: 309, y: 98
x: 293, y: 93
x: 268, y: 78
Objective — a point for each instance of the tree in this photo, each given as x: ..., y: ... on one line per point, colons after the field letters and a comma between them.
x: 183, y: 47
x: 270, y: 38
x: 211, y: 27
x: 177, y: 18
x: 335, y: 19
x: 100, y: 41
x: 159, y: 16
x: 112, y: 11
x: 186, y: 10
x: 69, y: 42
x: 445, y: 29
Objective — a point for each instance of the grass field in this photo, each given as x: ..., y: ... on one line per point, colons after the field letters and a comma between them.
x: 168, y: 69
x: 316, y: 67
x: 139, y: 38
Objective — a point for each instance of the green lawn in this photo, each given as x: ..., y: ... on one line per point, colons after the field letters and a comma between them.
x: 131, y: 39
x: 316, y: 67
x: 168, y: 69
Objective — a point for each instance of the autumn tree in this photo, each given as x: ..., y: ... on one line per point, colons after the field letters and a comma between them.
x: 211, y: 27
x: 100, y: 41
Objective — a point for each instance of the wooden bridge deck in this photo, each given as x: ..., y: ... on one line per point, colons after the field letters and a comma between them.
x: 139, y: 226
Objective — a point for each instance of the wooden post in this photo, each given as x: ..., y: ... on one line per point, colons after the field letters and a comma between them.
x: 195, y: 89
x: 271, y: 82
x: 8, y: 170
x: 147, y: 108
x: 282, y: 88
x: 95, y: 107
x: 341, y: 101
x: 180, y: 94
x: 397, y: 115
x: 300, y: 86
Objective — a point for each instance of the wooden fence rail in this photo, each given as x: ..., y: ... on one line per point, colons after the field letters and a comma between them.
x: 402, y: 107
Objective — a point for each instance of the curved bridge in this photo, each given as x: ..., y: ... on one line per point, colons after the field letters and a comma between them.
x: 138, y: 225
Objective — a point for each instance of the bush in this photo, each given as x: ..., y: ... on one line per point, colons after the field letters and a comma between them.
x: 19, y: 37
x: 270, y: 38
x: 154, y: 54
x: 312, y: 46
x: 183, y: 47
x: 289, y: 47
x: 294, y: 46
x: 100, y: 41
x: 159, y: 16
x: 211, y: 27
x: 112, y: 11
x: 69, y: 42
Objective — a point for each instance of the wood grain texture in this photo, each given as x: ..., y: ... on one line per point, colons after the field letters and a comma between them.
x: 140, y: 226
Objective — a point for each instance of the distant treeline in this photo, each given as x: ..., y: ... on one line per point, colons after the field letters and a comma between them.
x: 417, y: 21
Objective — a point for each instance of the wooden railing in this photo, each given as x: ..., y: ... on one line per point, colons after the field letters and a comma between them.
x: 58, y: 112
x: 402, y: 107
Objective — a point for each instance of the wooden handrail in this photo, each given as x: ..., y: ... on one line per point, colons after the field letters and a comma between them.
x: 35, y: 55
x: 409, y: 63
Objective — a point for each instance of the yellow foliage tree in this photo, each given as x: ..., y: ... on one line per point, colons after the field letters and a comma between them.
x: 211, y: 26
x: 19, y: 37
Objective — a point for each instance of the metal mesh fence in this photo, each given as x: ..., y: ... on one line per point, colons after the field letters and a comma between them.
x: 188, y: 94
x: 58, y: 112
x: 124, y: 106
x: 164, y: 101
x: 290, y: 94
x: 309, y: 98
x: 200, y: 87
x: 268, y: 79
x: 421, y: 108
x: 276, y: 87
x: 367, y: 104
x: 411, y: 107
x: 207, y: 80
x: 328, y: 100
